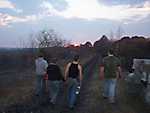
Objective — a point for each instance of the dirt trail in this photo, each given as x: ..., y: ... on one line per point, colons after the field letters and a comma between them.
x: 90, y: 99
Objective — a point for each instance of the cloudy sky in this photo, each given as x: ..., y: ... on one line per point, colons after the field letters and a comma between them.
x: 76, y: 20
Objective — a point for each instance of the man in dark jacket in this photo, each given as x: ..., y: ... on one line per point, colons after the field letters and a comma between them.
x: 54, y: 80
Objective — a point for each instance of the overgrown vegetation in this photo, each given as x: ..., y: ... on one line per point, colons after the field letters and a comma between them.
x: 126, y: 48
x: 49, y: 43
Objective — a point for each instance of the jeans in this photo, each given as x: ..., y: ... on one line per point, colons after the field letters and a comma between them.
x: 39, y: 84
x: 72, y: 87
x: 110, y: 88
x: 54, y: 88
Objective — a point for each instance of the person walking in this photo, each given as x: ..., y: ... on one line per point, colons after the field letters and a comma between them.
x: 41, y: 67
x: 55, y: 78
x: 73, y: 76
x: 110, y: 71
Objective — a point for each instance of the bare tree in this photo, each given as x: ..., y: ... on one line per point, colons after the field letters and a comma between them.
x: 111, y: 35
x: 22, y: 43
x: 32, y: 42
x: 119, y: 32
x: 49, y: 38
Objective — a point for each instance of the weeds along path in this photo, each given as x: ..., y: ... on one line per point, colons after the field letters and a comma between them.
x: 83, y: 104
x: 40, y: 105
x: 90, y: 99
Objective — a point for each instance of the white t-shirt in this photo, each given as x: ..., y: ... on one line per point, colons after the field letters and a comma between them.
x: 41, y: 66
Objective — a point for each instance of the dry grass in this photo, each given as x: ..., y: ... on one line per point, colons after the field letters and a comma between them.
x: 18, y: 87
x: 90, y: 100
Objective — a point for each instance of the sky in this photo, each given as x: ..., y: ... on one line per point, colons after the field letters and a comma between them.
x: 76, y: 20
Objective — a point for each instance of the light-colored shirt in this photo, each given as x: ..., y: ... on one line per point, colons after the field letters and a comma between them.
x: 41, y: 66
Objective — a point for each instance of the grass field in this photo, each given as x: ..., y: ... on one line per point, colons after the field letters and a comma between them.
x: 21, y: 99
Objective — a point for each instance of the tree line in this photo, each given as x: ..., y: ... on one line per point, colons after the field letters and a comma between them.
x: 127, y: 48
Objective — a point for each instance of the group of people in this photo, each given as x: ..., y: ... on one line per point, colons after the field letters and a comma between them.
x: 110, y: 71
x: 51, y: 75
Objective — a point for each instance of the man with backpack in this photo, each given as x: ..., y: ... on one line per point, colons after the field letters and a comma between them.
x: 73, y: 76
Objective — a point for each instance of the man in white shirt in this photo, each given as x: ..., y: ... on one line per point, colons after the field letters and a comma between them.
x: 41, y: 68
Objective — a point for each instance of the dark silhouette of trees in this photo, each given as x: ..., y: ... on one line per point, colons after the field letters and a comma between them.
x: 49, y: 38
x: 102, y: 45
x: 111, y: 35
x: 86, y: 45
x: 46, y: 39
x: 129, y: 48
x: 120, y: 32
